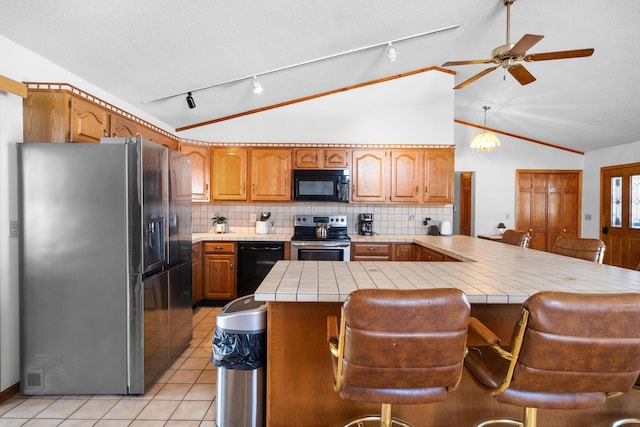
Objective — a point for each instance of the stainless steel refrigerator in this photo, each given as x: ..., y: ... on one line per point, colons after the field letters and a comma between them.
x: 105, y: 265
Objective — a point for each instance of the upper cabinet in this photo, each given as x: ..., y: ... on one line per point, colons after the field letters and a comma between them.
x: 66, y: 114
x: 270, y: 174
x: 403, y: 175
x: 229, y: 173
x: 199, y: 170
x: 438, y: 175
x: 321, y: 158
x: 369, y: 179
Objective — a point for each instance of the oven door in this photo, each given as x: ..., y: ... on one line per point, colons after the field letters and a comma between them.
x: 320, y: 251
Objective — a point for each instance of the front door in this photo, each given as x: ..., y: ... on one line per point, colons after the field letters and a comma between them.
x: 620, y: 214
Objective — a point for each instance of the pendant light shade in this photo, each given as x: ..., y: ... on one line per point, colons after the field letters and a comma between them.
x: 485, y: 140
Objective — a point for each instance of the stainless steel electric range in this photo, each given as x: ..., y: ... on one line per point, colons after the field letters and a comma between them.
x: 320, y: 238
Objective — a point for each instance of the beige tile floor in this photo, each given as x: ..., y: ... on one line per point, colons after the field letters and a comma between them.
x: 184, y: 396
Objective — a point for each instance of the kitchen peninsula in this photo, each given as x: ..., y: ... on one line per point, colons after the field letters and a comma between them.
x: 497, y: 278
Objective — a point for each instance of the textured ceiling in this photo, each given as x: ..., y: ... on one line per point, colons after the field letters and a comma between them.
x: 141, y: 51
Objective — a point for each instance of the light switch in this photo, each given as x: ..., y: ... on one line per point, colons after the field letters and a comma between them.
x: 13, y: 229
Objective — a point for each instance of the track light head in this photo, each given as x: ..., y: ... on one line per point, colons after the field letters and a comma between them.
x: 257, y: 87
x: 190, y: 102
x: 392, y: 52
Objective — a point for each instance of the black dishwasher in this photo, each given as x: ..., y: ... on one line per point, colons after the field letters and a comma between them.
x: 255, y: 260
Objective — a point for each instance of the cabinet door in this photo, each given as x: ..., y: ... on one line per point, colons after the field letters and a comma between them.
x: 229, y: 173
x: 271, y: 175
x: 219, y: 276
x: 122, y: 127
x: 335, y: 158
x: 430, y: 255
x: 89, y: 122
x: 531, y: 208
x: 438, y: 175
x: 403, y: 252
x: 405, y: 176
x: 307, y: 158
x: 369, y: 176
x: 563, y: 210
x: 199, y: 170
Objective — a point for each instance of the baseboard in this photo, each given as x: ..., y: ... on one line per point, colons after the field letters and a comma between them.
x: 10, y: 391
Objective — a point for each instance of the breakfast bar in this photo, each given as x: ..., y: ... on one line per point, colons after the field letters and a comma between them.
x: 496, y: 278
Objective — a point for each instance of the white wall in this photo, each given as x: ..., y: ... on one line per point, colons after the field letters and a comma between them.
x: 593, y: 161
x: 495, y: 174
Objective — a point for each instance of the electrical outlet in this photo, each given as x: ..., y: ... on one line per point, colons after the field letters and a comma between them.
x: 412, y: 218
x: 13, y: 229
x: 252, y: 217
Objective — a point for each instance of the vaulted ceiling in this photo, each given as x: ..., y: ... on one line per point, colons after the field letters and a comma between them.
x: 142, y: 51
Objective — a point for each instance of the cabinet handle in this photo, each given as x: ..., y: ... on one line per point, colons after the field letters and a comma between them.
x: 253, y: 189
x: 372, y: 249
x: 219, y: 248
x: 531, y: 230
x: 206, y: 187
x: 426, y: 190
x: 564, y: 230
x: 417, y: 190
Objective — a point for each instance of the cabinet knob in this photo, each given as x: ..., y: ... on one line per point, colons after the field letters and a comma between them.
x: 218, y: 248
x: 372, y: 249
x: 426, y: 190
x: 231, y: 266
x: 564, y: 230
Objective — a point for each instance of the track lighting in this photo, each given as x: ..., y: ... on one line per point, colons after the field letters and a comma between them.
x: 190, y: 102
x: 392, y: 52
x: 257, y: 87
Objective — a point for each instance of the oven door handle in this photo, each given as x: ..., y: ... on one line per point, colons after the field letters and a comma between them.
x: 323, y: 244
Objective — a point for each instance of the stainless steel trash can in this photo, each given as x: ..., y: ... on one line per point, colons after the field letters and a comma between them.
x: 239, y: 354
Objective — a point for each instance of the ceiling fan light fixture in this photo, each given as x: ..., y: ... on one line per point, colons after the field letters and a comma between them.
x: 392, y: 52
x: 257, y: 87
x: 485, y: 140
x: 190, y: 101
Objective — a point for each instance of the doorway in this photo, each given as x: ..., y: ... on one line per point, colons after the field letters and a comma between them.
x: 620, y: 214
x: 463, y: 203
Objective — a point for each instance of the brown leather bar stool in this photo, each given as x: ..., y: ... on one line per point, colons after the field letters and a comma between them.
x: 516, y: 237
x: 627, y: 421
x: 576, y: 247
x: 568, y: 351
x: 398, y: 347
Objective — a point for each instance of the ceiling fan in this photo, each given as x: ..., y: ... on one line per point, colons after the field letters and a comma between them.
x: 509, y: 55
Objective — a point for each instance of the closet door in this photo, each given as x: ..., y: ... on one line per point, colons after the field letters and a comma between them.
x: 548, y: 205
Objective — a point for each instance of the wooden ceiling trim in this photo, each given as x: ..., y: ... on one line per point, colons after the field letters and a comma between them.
x: 308, y: 98
x: 513, y: 135
x: 13, y: 86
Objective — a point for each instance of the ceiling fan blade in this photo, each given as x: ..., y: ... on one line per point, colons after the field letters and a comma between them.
x: 563, y: 54
x: 521, y: 74
x: 524, y: 44
x: 473, y: 61
x: 476, y: 77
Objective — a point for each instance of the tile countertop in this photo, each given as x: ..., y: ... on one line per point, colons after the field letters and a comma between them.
x: 201, y: 237
x: 489, y: 273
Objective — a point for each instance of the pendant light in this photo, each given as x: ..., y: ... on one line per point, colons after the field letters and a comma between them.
x: 485, y: 140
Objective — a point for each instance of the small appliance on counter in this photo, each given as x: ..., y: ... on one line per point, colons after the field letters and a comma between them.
x: 434, y: 230
x: 365, y: 224
x: 446, y: 229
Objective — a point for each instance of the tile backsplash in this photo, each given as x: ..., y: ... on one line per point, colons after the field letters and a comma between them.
x: 387, y: 219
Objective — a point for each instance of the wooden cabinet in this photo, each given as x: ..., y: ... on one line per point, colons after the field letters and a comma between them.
x: 270, y: 174
x: 405, y: 176
x: 402, y: 252
x: 196, y: 273
x: 369, y: 176
x: 66, y: 114
x: 229, y: 173
x: 321, y: 158
x: 411, y: 175
x: 425, y: 254
x: 370, y: 251
x: 199, y: 170
x: 548, y: 206
x: 438, y: 175
x: 219, y: 267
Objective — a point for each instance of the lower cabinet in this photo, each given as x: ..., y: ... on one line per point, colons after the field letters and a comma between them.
x: 196, y: 273
x: 219, y: 267
x: 403, y: 252
x: 370, y: 252
x: 424, y: 254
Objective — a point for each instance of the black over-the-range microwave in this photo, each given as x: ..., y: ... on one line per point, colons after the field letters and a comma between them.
x: 321, y: 185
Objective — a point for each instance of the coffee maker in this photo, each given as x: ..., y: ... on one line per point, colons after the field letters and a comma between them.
x: 365, y: 224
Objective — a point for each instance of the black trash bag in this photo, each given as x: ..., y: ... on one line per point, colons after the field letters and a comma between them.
x: 242, y: 351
